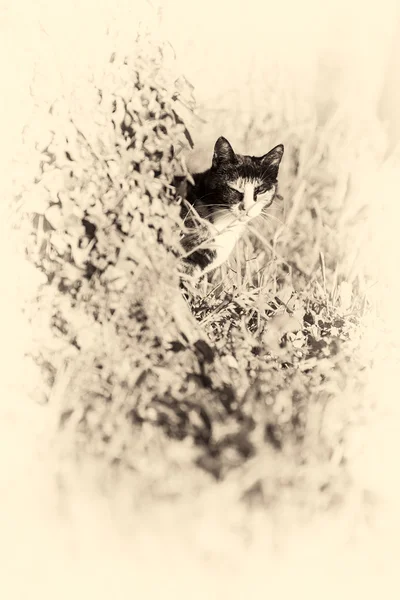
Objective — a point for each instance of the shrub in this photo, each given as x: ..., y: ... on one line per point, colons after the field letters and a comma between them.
x: 250, y: 363
x: 113, y: 332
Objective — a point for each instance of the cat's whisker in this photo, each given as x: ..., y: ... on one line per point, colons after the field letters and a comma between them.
x: 205, y: 196
x: 209, y: 209
x: 265, y: 218
x: 217, y: 204
x: 272, y: 218
x: 221, y: 213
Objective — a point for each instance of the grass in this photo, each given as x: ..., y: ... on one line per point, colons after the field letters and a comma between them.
x: 283, y: 318
x: 286, y: 317
x: 272, y: 362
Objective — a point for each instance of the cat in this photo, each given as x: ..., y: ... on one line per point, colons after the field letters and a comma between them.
x: 226, y: 197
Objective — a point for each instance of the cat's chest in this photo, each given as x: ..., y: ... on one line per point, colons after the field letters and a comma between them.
x: 226, y: 233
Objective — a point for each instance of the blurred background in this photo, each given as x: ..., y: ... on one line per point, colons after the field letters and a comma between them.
x: 319, y: 57
x: 309, y: 63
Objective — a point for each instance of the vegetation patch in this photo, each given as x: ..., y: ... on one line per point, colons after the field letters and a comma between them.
x: 254, y: 362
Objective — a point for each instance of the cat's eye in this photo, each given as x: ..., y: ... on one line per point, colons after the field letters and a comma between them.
x: 259, y: 191
x: 239, y: 195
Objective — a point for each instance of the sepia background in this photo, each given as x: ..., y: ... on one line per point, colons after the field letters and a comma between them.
x: 262, y: 73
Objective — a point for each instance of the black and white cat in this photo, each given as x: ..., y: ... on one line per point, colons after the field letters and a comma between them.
x: 235, y: 190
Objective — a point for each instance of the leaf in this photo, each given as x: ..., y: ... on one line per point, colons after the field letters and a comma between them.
x: 115, y: 278
x: 185, y: 130
x: 59, y: 242
x: 71, y: 272
x: 54, y: 216
x: 277, y: 327
x: 81, y: 255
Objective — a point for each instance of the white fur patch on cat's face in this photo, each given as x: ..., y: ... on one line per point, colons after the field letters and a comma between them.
x: 252, y: 207
x: 247, y: 188
x: 262, y: 201
x: 229, y: 226
x: 240, y: 184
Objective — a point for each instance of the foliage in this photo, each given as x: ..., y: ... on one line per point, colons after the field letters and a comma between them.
x: 254, y: 358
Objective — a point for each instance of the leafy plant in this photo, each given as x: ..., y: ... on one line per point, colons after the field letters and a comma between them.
x: 246, y: 361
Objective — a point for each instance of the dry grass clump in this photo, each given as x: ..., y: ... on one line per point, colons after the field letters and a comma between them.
x: 286, y: 319
x: 253, y: 372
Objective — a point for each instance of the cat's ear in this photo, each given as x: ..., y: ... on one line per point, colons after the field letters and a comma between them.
x: 223, y: 153
x: 272, y: 160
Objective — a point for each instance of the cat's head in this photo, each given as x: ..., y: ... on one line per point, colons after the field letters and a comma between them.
x: 245, y: 185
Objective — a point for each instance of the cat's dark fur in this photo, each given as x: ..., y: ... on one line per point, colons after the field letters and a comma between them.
x: 236, y: 189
